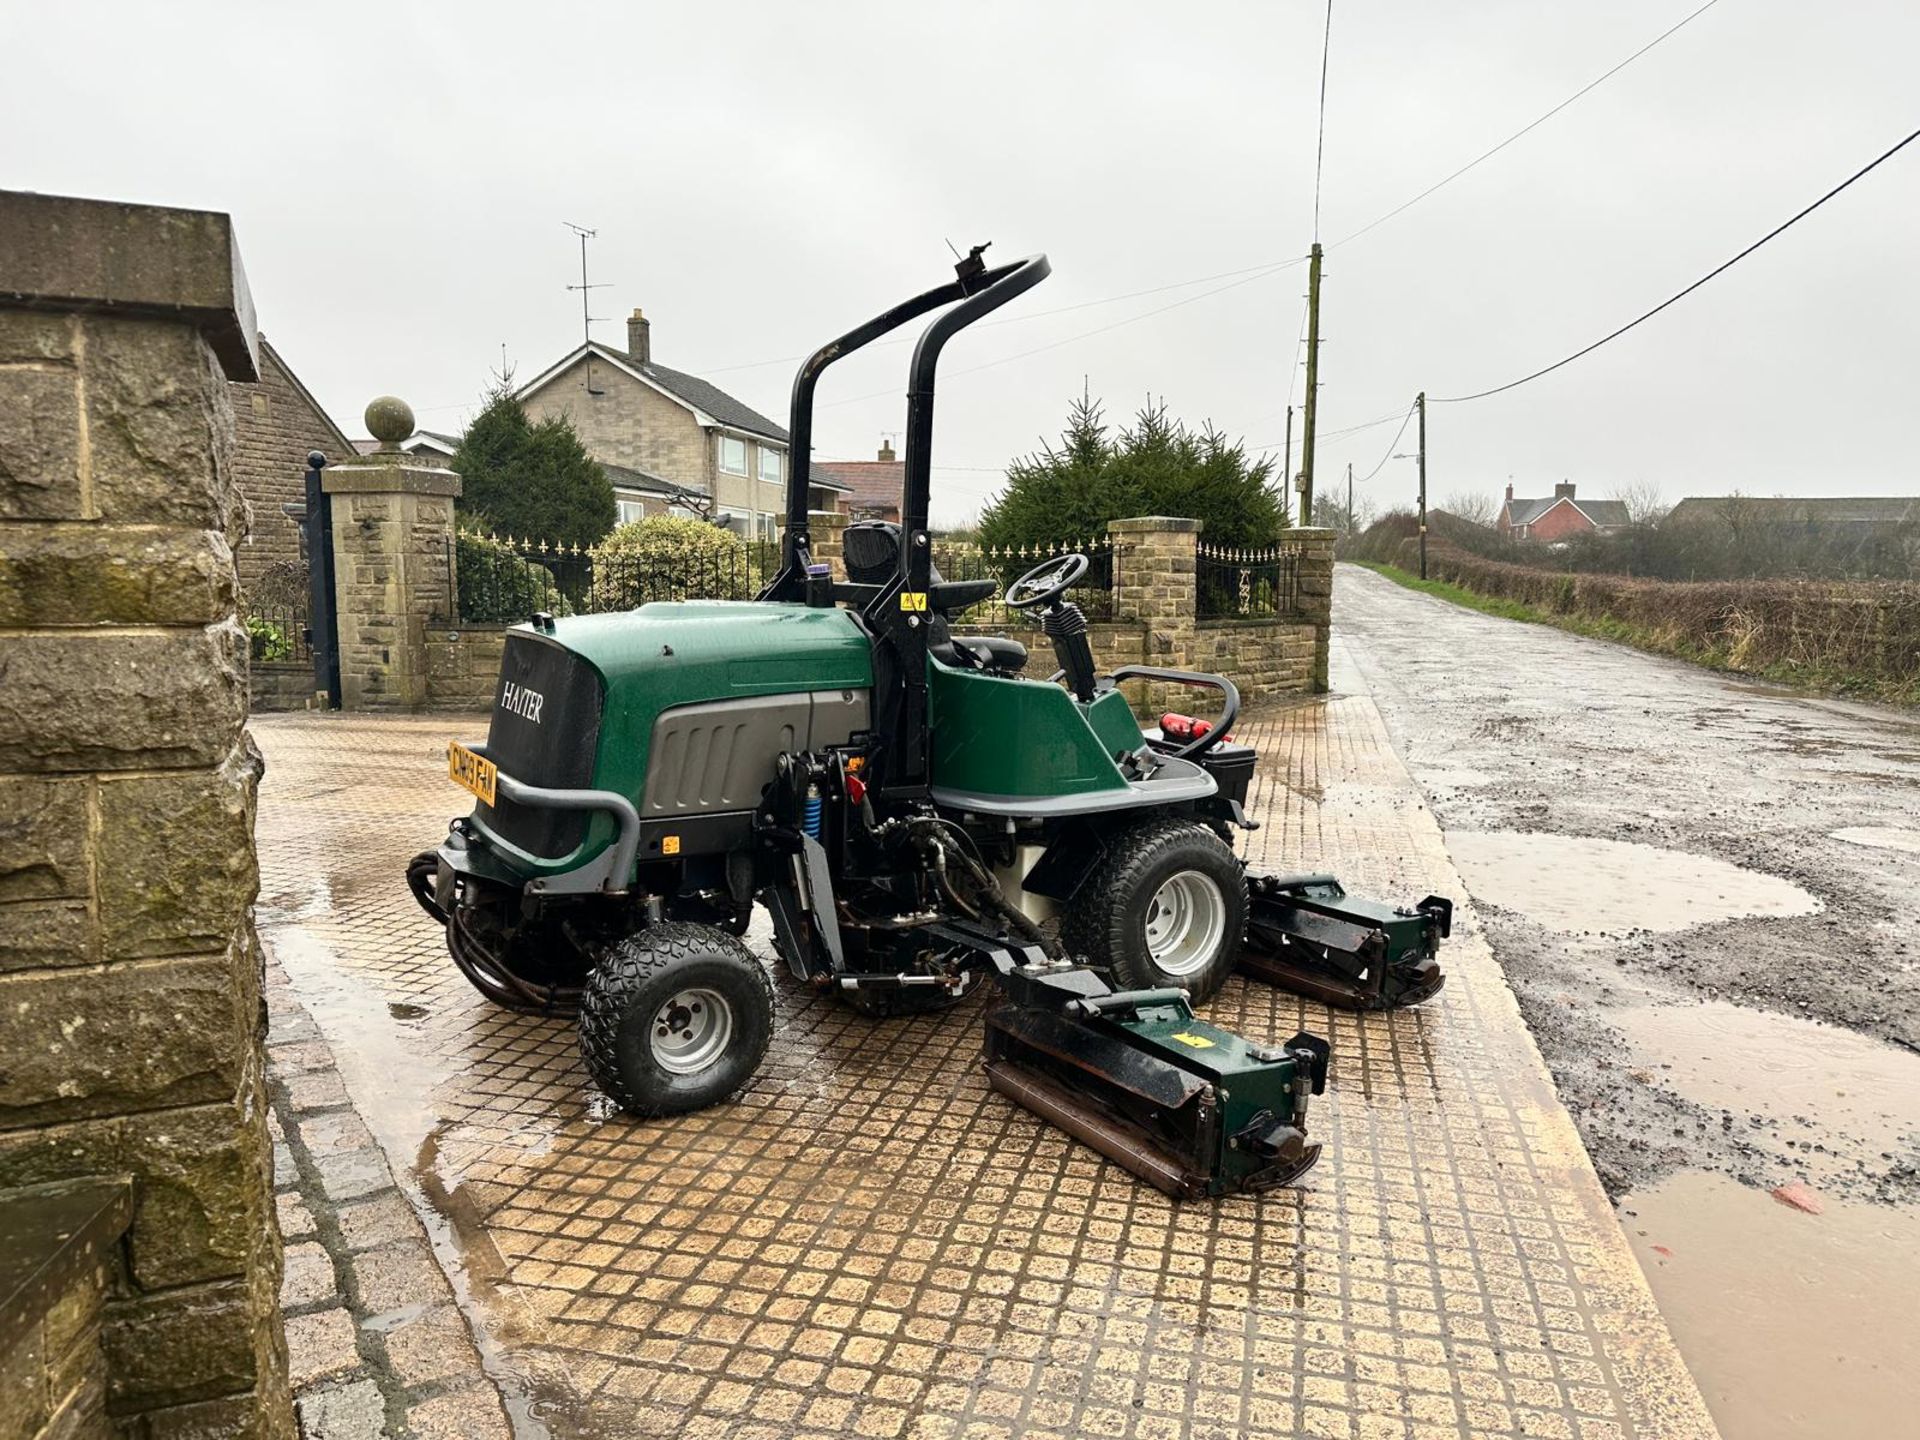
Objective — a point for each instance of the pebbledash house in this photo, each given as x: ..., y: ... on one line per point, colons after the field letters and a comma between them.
x: 672, y: 443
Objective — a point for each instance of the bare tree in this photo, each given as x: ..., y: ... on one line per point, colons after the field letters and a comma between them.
x: 1474, y: 506
x: 1644, y: 501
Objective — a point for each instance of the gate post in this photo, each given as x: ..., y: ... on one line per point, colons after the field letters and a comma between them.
x: 131, y: 1018
x: 393, y: 565
x: 1155, y: 571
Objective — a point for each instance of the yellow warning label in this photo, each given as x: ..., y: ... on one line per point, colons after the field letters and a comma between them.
x: 1198, y: 1042
x: 913, y: 600
x: 669, y: 844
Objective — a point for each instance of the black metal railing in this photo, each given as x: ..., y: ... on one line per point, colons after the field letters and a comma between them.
x: 502, y: 580
x: 1246, y: 583
x: 965, y: 560
x: 277, y: 634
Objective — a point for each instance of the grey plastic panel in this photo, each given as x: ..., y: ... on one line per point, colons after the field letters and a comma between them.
x: 720, y: 755
x: 1177, y: 780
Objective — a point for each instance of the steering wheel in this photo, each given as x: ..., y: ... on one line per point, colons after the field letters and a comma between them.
x: 1045, y: 582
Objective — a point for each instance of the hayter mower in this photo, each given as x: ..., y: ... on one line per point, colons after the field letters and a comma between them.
x: 916, y: 812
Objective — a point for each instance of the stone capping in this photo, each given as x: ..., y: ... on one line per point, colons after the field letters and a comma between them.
x: 385, y: 477
x: 50, y: 1237
x: 66, y: 254
x: 1136, y: 523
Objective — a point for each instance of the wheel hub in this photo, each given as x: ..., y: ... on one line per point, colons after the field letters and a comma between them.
x: 1186, y: 923
x: 691, y: 1031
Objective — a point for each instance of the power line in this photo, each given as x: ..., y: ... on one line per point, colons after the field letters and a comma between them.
x: 1681, y: 295
x: 1320, y: 145
x: 1391, y: 445
x: 1525, y: 129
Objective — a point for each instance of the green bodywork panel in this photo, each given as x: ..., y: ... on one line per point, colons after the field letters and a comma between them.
x: 1247, y: 1085
x: 994, y: 736
x: 686, y: 653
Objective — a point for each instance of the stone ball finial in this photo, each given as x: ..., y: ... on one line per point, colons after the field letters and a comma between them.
x: 389, y: 420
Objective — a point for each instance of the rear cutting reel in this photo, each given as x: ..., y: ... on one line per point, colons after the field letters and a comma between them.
x: 1306, y: 934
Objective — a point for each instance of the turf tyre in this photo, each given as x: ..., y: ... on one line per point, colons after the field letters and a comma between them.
x: 1108, y: 920
x: 640, y: 975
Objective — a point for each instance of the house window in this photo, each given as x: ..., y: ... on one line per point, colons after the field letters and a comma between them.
x: 733, y: 455
x: 683, y: 512
x: 630, y: 510
x: 736, y: 522
x: 770, y: 465
x: 769, y: 528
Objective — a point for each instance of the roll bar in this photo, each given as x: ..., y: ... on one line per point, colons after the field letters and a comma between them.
x: 981, y: 290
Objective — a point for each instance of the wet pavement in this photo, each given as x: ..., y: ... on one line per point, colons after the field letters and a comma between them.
x: 868, y: 1241
x: 1702, y: 891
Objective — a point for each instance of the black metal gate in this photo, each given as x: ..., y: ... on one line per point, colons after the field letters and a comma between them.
x: 316, y: 535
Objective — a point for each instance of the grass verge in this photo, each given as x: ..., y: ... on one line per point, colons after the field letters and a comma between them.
x: 1813, y: 679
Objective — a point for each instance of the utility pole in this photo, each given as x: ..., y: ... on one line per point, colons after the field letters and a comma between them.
x: 1288, y: 471
x: 1351, y: 526
x: 586, y: 320
x: 1420, y: 401
x: 1313, y: 385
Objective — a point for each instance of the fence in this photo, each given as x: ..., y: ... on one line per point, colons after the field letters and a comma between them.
x: 277, y: 634
x: 503, y: 580
x: 964, y: 560
x: 1246, y: 583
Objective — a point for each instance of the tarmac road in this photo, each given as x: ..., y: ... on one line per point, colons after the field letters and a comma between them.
x: 1523, y: 730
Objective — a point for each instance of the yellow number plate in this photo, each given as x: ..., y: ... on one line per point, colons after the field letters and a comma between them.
x: 471, y: 772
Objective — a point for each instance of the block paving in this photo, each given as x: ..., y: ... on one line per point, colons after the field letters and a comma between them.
x: 868, y: 1242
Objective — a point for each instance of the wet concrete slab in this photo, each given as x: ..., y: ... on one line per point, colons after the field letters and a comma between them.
x: 868, y: 1241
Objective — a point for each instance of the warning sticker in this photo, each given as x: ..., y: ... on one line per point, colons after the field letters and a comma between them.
x: 669, y: 844
x: 913, y: 600
x: 1198, y: 1042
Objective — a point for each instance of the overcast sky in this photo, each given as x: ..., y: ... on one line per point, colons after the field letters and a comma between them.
x: 762, y: 176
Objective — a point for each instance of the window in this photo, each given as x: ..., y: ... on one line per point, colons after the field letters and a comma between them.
x: 769, y: 464
x: 733, y: 455
x: 769, y: 530
x: 683, y: 512
x: 630, y: 510
x: 734, y: 521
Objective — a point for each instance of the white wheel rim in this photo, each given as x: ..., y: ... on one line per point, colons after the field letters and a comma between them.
x: 1186, y: 923
x: 691, y: 1031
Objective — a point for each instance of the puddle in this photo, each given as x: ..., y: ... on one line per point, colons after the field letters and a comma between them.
x: 1848, y: 1087
x: 1881, y: 837
x: 1612, y: 886
x: 401, y: 1011
x: 1792, y: 1324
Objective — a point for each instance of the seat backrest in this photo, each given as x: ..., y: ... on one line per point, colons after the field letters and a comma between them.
x: 870, y: 549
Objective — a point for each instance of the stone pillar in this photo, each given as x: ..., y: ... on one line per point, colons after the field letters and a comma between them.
x: 1154, y: 575
x: 393, y: 564
x: 1316, y: 593
x: 131, y: 1019
x: 827, y: 529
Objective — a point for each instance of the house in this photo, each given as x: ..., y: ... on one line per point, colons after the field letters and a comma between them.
x: 872, y: 486
x: 276, y: 422
x: 672, y: 443
x: 1560, y: 516
x: 1864, y: 518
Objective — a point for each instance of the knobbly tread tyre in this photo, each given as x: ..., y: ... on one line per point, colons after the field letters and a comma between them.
x: 1101, y: 925
x: 640, y: 972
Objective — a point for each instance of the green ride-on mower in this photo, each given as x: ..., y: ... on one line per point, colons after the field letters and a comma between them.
x: 916, y: 812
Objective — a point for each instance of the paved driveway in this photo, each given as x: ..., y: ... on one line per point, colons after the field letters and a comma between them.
x: 869, y: 1242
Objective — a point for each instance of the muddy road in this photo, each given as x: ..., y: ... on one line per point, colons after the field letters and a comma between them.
x: 1703, y: 892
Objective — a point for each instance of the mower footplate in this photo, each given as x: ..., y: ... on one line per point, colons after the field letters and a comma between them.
x: 1191, y: 1109
x: 1306, y: 934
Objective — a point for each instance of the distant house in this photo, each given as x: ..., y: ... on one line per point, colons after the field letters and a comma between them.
x: 1560, y: 516
x: 1856, y: 518
x: 276, y: 422
x: 872, y: 486
x: 672, y: 443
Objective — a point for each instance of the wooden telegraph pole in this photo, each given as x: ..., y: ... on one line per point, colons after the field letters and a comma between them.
x: 1420, y: 401
x: 1313, y: 385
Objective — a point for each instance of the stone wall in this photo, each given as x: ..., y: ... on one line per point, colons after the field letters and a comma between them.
x: 463, y: 665
x: 131, y: 1020
x: 274, y: 685
x: 276, y: 422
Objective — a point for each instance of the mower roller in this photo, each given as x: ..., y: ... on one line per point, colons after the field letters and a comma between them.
x: 915, y: 812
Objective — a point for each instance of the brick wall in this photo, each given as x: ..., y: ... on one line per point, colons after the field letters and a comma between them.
x: 276, y: 422
x: 131, y: 1020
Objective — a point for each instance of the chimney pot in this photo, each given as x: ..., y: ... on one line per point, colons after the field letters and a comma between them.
x: 1564, y: 490
x: 886, y: 451
x: 639, y: 337
x: 1509, y: 492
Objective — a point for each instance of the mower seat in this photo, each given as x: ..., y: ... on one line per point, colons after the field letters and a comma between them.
x: 994, y: 652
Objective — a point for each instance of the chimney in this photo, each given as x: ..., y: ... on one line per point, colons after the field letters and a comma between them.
x: 1509, y: 492
x: 1563, y: 491
x: 886, y: 452
x: 639, y: 340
